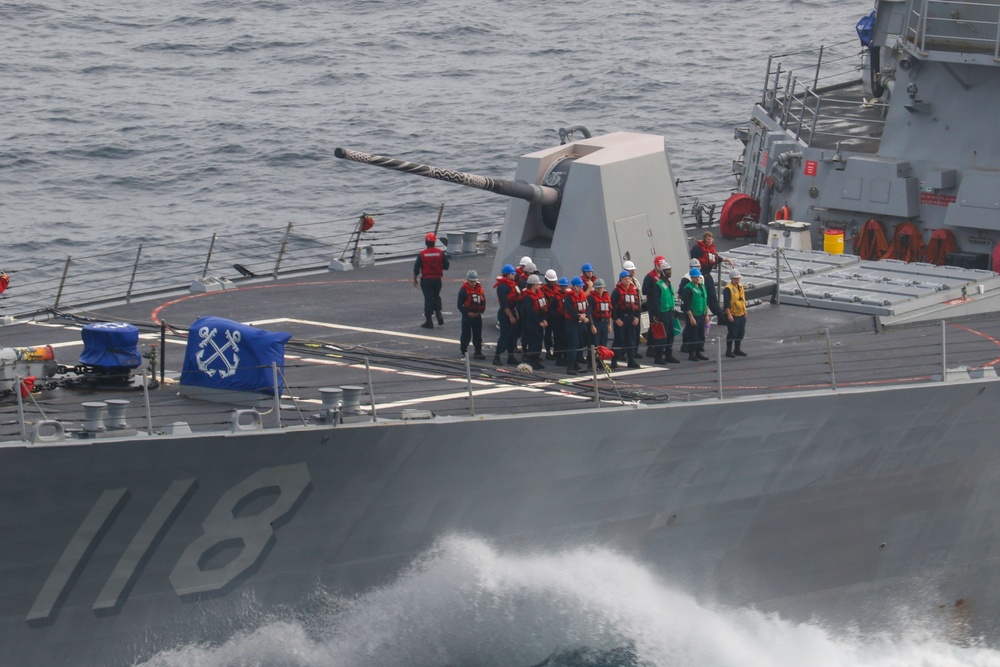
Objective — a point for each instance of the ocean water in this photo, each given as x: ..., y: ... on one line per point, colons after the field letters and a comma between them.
x: 152, y: 122
x: 465, y: 603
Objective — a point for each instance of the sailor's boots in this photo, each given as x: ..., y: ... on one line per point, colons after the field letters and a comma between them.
x: 660, y: 357
x: 536, y: 362
x: 632, y: 363
x: 479, y: 355
x: 729, y: 349
x: 671, y: 359
x: 496, y: 360
x: 439, y: 316
x: 512, y: 360
x: 428, y: 324
x: 738, y: 352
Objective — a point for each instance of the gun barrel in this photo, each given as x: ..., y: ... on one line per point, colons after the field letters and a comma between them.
x: 540, y: 194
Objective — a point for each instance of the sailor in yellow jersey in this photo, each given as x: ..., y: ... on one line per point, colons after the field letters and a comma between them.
x: 734, y: 305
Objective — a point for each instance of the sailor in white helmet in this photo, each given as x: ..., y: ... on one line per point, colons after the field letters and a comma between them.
x: 734, y: 306
x: 554, y: 294
x: 522, y: 273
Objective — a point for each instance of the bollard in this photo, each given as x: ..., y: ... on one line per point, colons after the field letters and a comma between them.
x: 352, y: 399
x: 93, y: 416
x: 116, y: 413
x: 333, y: 399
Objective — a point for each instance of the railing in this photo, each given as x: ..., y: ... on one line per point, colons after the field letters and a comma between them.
x: 808, y: 107
x: 949, y: 25
x: 387, y: 385
x: 143, y: 270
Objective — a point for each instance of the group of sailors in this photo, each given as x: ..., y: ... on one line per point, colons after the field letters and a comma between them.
x: 565, y: 318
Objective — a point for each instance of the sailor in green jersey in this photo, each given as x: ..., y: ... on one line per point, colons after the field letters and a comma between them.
x: 695, y: 301
x: 661, y: 309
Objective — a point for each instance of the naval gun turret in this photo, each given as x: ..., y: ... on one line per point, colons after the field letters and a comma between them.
x: 548, y: 197
x: 602, y: 200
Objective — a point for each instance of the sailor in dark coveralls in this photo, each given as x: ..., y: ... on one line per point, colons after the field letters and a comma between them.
x: 472, y: 305
x: 696, y: 311
x: 576, y: 305
x: 508, y: 298
x: 429, y: 268
x: 534, y: 319
x: 625, y: 308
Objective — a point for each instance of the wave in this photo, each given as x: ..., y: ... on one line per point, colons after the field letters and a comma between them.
x: 465, y: 602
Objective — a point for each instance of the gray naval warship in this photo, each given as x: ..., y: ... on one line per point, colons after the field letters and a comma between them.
x: 845, y: 474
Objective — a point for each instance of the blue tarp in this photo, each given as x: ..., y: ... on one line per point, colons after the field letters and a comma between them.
x: 866, y: 29
x: 223, y: 354
x: 111, y: 344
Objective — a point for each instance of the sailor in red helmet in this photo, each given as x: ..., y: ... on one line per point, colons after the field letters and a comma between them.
x: 429, y: 269
x: 472, y: 305
x: 648, y: 284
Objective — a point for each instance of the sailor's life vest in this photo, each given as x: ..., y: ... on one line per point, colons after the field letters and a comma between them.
x: 539, y: 302
x: 432, y: 263
x: 514, y: 295
x: 602, y: 305
x: 475, y: 298
x: 737, y: 300
x: 578, y: 305
x: 628, y: 298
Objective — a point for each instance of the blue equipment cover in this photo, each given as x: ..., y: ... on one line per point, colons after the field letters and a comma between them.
x: 110, y: 344
x: 223, y: 354
x: 866, y: 29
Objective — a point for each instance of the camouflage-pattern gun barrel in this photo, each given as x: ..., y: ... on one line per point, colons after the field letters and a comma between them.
x: 540, y: 194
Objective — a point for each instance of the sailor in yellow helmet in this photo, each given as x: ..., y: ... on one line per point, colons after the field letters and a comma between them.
x: 734, y: 305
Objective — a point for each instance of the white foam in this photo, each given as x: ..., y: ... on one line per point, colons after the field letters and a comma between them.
x: 465, y: 603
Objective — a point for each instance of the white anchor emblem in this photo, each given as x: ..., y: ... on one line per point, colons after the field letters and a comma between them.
x: 208, y: 338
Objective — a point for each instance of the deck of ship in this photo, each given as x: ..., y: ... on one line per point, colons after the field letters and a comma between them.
x: 347, y: 325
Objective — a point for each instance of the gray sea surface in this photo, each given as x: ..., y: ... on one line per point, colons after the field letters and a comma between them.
x: 151, y: 122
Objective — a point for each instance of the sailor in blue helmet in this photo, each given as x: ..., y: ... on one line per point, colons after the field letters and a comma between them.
x: 577, y: 307
x: 557, y: 322
x: 587, y: 276
x: 508, y: 298
x: 695, y: 306
x: 429, y: 268
x: 626, y: 305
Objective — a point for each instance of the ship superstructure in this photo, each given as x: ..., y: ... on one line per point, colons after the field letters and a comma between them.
x: 904, y: 134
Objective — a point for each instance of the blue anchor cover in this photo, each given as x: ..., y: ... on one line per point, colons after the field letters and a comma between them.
x: 111, y: 345
x: 223, y: 354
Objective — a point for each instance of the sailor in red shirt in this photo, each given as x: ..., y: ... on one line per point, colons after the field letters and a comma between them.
x: 429, y: 268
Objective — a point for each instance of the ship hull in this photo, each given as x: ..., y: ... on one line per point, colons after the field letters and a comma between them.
x: 832, y: 507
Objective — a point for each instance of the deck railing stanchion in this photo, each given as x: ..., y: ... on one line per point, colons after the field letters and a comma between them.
x: 163, y: 351
x: 718, y: 363
x: 211, y: 247
x: 135, y: 268
x: 371, y: 389
x: 62, y: 281
x: 829, y: 354
x: 145, y: 398
x: 593, y: 371
x: 281, y: 251
x: 277, y: 392
x: 20, y: 407
x: 468, y: 382
x: 944, y: 352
